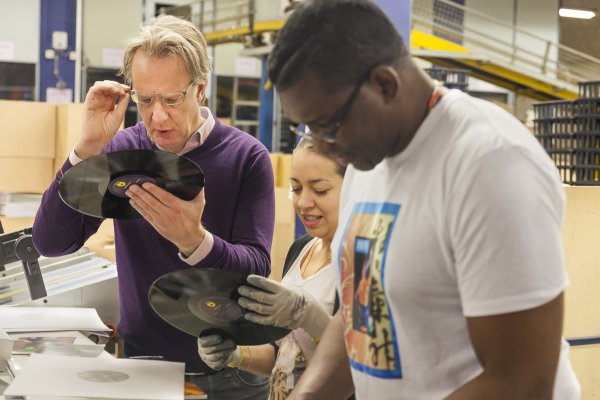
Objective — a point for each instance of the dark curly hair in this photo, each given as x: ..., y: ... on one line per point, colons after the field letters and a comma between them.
x: 337, y: 40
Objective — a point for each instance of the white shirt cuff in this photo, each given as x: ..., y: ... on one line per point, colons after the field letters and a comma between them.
x: 201, y: 252
x: 73, y: 159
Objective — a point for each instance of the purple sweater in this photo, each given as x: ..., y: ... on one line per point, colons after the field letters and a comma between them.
x: 239, y: 212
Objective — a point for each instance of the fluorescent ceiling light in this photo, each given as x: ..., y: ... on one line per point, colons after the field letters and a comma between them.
x: 572, y: 13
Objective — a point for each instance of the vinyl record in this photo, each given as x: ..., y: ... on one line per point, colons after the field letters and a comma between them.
x: 202, y: 302
x: 97, y: 186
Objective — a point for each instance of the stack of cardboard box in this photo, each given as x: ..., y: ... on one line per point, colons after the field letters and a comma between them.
x: 35, y: 140
x: 27, y: 141
x: 284, y: 213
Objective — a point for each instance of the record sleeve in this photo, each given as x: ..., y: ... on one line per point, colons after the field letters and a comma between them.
x: 97, y: 186
x: 202, y: 302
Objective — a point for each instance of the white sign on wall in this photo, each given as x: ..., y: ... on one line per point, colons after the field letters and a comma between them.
x: 112, y: 57
x: 246, y: 66
x: 59, y: 96
x: 7, y: 51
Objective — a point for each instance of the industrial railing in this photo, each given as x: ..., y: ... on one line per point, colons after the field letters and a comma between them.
x: 483, y: 35
x: 503, y: 42
x: 235, y: 16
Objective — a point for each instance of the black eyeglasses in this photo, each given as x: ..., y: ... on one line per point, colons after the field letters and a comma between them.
x: 330, y: 136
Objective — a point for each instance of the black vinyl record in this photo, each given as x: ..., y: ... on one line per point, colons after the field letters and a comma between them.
x: 97, y: 186
x: 203, y: 302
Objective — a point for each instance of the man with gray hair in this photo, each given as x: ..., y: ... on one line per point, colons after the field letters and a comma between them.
x: 228, y: 226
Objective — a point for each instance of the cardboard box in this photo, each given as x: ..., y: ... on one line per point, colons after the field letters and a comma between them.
x: 582, y: 255
x: 69, y: 120
x: 15, y: 224
x: 284, y: 170
x: 25, y: 175
x: 275, y: 165
x: 284, y: 208
x: 28, y: 129
x: 283, y: 236
x: 282, y: 240
x: 103, y: 241
x: 580, y: 236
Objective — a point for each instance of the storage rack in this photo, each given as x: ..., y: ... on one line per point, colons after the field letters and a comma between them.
x: 450, y: 78
x: 570, y: 133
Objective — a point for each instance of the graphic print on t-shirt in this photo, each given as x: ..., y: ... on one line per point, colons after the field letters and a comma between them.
x: 369, y: 329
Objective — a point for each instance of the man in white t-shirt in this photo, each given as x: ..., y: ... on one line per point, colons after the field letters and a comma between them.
x: 448, y: 248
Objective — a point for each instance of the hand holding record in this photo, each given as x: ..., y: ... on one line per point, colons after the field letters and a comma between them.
x: 203, y: 302
x: 272, y: 303
x: 218, y: 353
x: 98, y: 186
x: 175, y: 219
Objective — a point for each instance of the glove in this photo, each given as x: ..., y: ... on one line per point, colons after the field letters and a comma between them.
x: 217, y: 353
x: 272, y: 303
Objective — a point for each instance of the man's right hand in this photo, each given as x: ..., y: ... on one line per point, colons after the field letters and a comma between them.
x: 103, y: 116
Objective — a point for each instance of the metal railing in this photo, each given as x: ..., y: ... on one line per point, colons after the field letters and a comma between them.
x: 214, y: 16
x: 503, y: 42
x: 484, y: 35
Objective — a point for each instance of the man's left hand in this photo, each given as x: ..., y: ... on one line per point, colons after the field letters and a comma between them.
x: 272, y: 303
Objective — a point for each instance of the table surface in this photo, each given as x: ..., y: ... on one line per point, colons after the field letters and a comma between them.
x: 19, y: 360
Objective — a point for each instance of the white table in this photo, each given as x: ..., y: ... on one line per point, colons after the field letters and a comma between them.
x: 19, y: 360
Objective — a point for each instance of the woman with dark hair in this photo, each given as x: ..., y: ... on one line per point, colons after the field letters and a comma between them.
x: 305, y: 299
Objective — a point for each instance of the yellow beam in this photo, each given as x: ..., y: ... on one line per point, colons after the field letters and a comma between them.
x: 267, y: 26
x: 522, y: 79
x: 233, y: 35
x: 491, y: 72
x: 237, y: 34
x: 422, y: 40
x: 513, y: 79
x: 506, y: 78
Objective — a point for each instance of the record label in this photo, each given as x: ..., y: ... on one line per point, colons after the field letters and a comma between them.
x: 97, y: 186
x: 217, y: 310
x: 203, y: 301
x: 119, y: 186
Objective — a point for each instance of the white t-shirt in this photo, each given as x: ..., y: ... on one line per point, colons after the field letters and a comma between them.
x: 465, y: 222
x: 298, y: 347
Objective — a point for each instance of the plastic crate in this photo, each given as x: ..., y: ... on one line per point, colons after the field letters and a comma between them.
x: 451, y: 78
x: 586, y: 175
x: 554, y: 109
x: 588, y: 107
x: 586, y: 141
x: 586, y: 160
x: 554, y: 126
x: 587, y: 124
x: 589, y: 89
x: 559, y: 147
x: 567, y: 174
x: 556, y: 142
x: 569, y: 131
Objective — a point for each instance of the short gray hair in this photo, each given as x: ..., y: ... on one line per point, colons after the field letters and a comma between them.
x: 166, y: 35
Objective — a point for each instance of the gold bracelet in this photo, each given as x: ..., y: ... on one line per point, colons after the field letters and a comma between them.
x: 239, y: 363
x: 250, y: 354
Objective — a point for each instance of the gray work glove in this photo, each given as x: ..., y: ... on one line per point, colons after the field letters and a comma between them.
x: 272, y: 303
x: 218, y: 353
